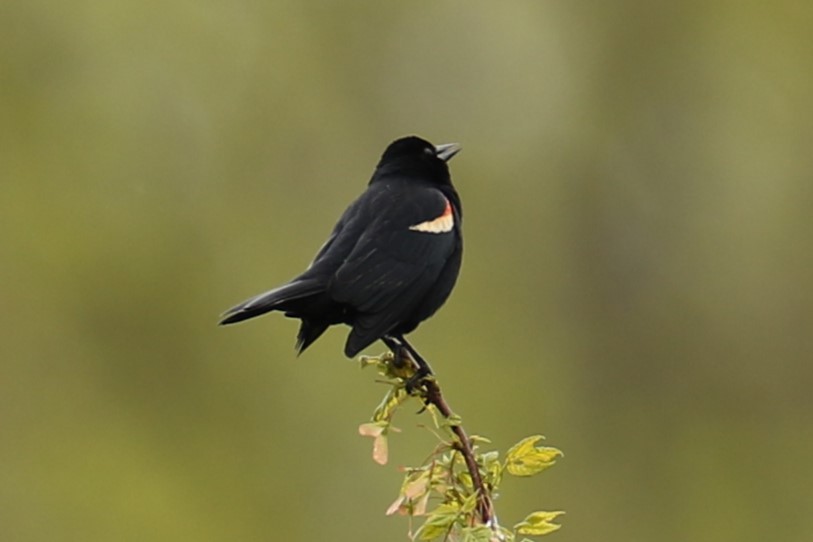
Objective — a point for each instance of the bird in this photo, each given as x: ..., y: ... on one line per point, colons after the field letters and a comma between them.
x: 390, y: 262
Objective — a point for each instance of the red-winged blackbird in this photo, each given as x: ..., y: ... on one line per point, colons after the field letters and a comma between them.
x: 390, y: 262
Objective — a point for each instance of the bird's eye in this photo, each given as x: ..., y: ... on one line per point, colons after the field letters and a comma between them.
x: 429, y: 150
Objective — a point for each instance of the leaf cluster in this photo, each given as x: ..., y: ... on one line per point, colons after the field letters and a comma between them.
x: 440, y: 490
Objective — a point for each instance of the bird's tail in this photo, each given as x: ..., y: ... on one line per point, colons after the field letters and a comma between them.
x: 275, y: 299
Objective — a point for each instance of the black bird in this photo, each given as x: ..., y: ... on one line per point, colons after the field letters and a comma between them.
x: 390, y: 262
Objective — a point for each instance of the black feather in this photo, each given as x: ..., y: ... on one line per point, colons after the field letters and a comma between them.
x: 391, y: 260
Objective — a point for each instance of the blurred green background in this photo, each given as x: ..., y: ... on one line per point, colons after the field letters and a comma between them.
x: 636, y: 179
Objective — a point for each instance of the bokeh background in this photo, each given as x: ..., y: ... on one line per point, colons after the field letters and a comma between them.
x: 636, y: 179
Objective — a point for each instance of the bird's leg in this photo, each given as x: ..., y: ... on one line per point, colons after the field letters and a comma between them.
x: 405, y: 352
x: 424, y: 370
x: 398, y: 351
x: 423, y: 367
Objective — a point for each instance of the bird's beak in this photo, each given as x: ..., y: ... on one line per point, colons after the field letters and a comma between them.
x: 447, y: 150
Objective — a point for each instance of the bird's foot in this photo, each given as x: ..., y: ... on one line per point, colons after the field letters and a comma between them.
x: 417, y: 380
x: 406, y: 360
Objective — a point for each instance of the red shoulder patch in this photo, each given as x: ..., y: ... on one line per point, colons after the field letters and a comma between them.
x: 442, y: 224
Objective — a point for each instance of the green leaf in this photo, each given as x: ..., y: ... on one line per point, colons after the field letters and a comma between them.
x: 432, y: 531
x: 439, y: 522
x: 453, y: 421
x: 464, y: 478
x: 527, y: 459
x: 478, y: 533
x: 488, y: 457
x: 389, y: 404
x: 538, y: 523
x: 468, y: 505
x: 492, y: 468
x: 433, y: 411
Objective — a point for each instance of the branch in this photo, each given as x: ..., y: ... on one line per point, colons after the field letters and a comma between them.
x: 433, y: 396
x: 462, y: 506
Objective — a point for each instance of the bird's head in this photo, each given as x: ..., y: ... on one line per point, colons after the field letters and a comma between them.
x: 413, y: 156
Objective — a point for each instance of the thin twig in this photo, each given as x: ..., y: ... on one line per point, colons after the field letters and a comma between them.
x: 434, y: 397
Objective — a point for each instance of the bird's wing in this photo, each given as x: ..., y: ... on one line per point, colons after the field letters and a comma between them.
x: 396, y: 259
x: 340, y: 242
